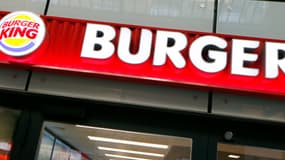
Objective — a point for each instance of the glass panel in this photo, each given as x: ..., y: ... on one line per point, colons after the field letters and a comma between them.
x: 182, y: 14
x: 46, y: 146
x: 61, y: 151
x: 79, y: 142
x: 231, y: 152
x: 8, y: 119
x: 251, y: 18
x: 75, y: 155
x: 36, y: 6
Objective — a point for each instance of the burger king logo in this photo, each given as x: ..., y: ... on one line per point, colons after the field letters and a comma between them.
x: 21, y: 33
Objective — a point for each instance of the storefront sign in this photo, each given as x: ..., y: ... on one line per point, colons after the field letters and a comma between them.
x: 21, y: 33
x: 214, y: 61
x: 164, y: 55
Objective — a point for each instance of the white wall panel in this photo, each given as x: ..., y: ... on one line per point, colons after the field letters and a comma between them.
x: 181, y: 14
x: 251, y: 18
x: 13, y: 78
x: 249, y: 107
x: 36, y: 6
x: 120, y: 92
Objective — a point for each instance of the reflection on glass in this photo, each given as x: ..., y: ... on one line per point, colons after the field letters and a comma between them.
x: 169, y: 8
x: 64, y: 152
x: 52, y: 147
x: 5, y: 148
x: 46, y: 146
x: 61, y: 151
x: 239, y: 152
x: 242, y: 12
x: 75, y: 155
x: 8, y: 119
x: 108, y: 144
x: 178, y: 14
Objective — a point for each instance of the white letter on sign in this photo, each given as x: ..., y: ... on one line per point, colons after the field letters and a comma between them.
x: 219, y: 57
x: 97, y: 41
x: 272, y: 60
x: 239, y: 56
x: 164, y: 47
x: 124, y: 46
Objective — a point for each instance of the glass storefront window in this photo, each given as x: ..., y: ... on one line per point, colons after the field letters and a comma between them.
x: 94, y: 143
x: 240, y: 152
x: 61, y: 151
x: 58, y: 150
x: 46, y: 146
x: 8, y: 120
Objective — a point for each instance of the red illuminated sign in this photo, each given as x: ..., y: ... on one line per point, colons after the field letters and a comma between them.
x: 173, y: 56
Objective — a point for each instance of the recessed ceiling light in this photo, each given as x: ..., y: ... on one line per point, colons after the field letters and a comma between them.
x: 233, y: 156
x: 130, y: 151
x: 152, y: 145
x: 125, y: 157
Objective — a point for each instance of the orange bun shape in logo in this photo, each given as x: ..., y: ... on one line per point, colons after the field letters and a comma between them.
x: 21, y: 33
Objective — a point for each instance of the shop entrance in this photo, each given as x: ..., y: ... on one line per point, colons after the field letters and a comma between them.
x: 73, y: 129
x: 78, y: 142
x: 62, y: 141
